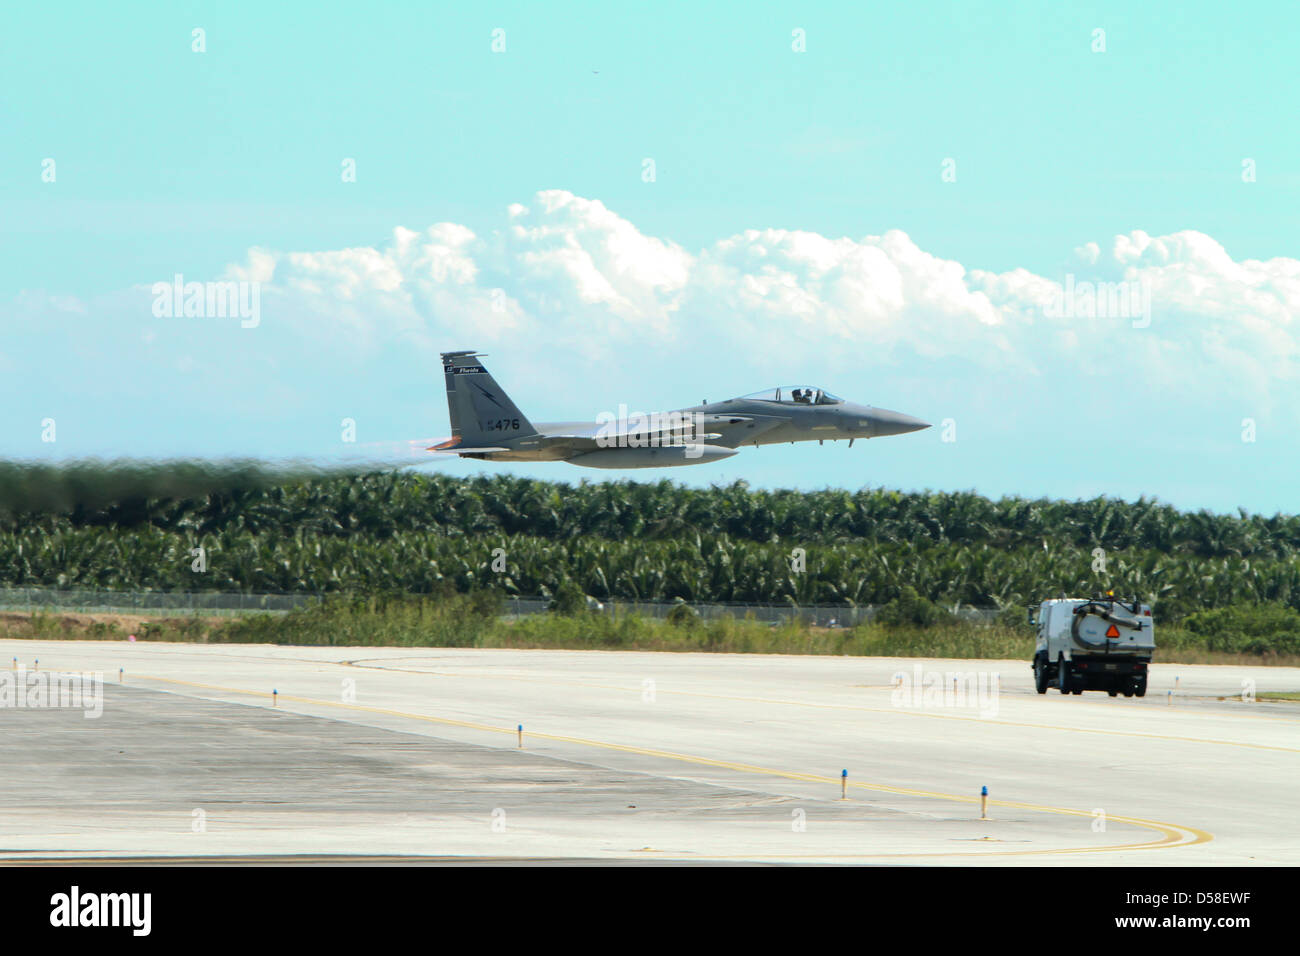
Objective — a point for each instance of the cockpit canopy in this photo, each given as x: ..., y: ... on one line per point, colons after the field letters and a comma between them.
x: 795, y: 395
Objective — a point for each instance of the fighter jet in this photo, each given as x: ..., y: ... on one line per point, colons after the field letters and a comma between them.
x: 487, y: 425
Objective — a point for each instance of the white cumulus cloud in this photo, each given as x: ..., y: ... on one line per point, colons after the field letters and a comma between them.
x: 570, y: 271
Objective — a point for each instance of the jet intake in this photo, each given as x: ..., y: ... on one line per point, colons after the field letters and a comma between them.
x: 662, y: 457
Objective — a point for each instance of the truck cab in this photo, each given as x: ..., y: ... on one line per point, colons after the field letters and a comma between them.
x: 1092, y: 644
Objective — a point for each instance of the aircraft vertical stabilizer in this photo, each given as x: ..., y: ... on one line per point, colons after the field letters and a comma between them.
x: 481, y: 413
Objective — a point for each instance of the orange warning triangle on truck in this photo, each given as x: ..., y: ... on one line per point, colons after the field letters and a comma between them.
x: 1112, y: 631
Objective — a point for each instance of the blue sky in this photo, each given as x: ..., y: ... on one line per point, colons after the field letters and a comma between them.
x: 798, y: 228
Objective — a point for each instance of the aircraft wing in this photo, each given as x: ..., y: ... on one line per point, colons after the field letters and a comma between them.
x: 723, y: 429
x: 592, y: 437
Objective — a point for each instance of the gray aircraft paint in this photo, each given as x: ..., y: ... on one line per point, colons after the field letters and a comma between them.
x: 487, y: 425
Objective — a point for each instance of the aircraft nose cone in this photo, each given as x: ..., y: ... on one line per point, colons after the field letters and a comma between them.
x: 885, y: 422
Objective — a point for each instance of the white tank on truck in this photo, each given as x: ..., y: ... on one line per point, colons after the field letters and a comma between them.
x: 1093, y: 644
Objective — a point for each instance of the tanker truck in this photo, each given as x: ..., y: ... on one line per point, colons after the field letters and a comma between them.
x: 1093, y: 644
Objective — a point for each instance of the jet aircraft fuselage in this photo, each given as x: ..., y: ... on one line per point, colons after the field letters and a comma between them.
x: 487, y: 425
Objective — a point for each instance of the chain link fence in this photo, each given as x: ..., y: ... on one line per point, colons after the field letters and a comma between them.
x: 147, y: 602
x: 32, y: 600
x: 816, y: 615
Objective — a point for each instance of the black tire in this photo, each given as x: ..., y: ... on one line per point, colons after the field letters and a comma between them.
x: 1113, y: 692
x: 1077, y: 690
x: 1128, y: 691
x: 1063, y: 675
x: 1040, y: 674
x: 1140, y: 686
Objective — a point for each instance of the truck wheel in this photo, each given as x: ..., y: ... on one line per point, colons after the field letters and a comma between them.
x: 1077, y: 690
x: 1140, y: 686
x: 1128, y: 691
x: 1040, y: 674
x: 1113, y: 692
x: 1063, y: 675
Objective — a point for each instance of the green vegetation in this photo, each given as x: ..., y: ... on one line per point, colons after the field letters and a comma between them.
x: 1231, y: 583
x: 46, y: 626
x: 909, y: 609
x: 473, y: 620
x: 128, y: 493
x: 1265, y: 629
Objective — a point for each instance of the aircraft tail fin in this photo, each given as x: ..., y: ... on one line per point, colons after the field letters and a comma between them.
x: 481, y: 413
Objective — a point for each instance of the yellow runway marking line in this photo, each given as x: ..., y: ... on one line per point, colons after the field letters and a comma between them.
x: 1171, y: 834
x: 376, y: 663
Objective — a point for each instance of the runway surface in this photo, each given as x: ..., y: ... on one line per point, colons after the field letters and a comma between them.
x: 411, y: 754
